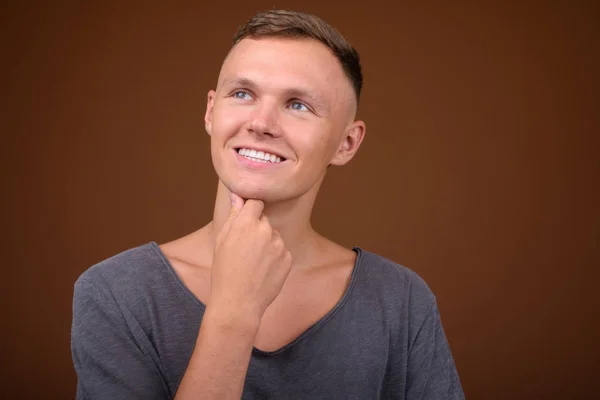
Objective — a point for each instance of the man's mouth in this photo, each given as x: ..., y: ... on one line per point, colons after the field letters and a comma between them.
x: 259, y: 156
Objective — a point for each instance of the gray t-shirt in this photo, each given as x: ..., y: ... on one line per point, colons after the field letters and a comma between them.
x: 135, y: 325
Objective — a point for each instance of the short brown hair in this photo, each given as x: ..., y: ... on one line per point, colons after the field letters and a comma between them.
x: 295, y: 24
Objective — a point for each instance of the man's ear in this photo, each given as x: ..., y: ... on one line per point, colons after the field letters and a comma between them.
x: 209, y: 112
x: 353, y: 137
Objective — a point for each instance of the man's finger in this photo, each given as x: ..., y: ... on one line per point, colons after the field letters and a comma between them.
x: 254, y: 208
x: 237, y: 203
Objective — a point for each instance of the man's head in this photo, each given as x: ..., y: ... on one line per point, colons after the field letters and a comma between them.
x: 290, y: 87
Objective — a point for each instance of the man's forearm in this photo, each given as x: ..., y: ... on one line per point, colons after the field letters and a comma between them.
x: 219, y: 362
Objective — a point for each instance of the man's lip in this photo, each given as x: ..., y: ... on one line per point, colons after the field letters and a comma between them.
x: 237, y: 148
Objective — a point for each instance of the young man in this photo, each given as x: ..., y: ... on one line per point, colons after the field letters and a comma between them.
x: 256, y: 304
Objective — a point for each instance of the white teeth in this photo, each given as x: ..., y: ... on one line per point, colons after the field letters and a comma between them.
x: 260, y: 156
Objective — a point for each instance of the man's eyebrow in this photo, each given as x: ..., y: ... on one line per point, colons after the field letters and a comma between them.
x: 240, y: 81
x: 308, y: 94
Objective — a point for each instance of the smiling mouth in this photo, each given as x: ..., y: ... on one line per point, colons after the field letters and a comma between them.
x: 259, y: 156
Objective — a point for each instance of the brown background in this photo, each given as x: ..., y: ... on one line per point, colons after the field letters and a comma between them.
x: 479, y: 169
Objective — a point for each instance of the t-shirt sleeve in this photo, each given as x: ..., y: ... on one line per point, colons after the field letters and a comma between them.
x: 109, y: 360
x: 431, y: 370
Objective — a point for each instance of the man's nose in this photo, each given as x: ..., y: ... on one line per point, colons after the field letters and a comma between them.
x: 264, y: 120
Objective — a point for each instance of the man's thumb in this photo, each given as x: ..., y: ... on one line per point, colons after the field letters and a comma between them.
x: 236, y: 205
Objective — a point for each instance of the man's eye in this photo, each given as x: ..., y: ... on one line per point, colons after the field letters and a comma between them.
x: 296, y: 105
x: 240, y: 94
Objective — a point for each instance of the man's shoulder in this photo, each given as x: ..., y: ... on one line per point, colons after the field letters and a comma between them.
x: 135, y: 268
x: 392, y: 280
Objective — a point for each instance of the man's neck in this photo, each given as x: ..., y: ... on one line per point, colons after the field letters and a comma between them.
x: 291, y: 219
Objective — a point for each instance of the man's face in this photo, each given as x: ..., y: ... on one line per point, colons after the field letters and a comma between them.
x: 286, y: 97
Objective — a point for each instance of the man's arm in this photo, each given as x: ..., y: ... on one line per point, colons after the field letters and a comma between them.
x: 250, y: 265
x: 219, y: 363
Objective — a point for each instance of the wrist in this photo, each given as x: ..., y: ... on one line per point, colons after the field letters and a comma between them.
x: 245, y: 320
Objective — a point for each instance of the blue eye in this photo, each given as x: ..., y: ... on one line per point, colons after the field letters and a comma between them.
x: 240, y: 94
x: 296, y: 105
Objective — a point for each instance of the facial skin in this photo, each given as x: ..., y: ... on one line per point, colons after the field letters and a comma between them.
x: 290, y: 96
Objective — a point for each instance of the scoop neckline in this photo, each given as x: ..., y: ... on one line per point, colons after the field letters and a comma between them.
x: 307, y: 332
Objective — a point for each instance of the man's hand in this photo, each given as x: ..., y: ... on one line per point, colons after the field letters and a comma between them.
x: 250, y: 266
x: 250, y: 263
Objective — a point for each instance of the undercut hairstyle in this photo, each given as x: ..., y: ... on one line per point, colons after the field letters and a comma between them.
x: 297, y: 25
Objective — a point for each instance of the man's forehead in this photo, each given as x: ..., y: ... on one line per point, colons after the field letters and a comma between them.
x: 304, y: 64
x: 296, y: 56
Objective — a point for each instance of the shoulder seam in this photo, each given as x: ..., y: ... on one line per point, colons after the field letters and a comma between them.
x: 430, y: 309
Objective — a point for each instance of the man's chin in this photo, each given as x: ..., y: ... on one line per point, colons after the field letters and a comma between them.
x: 255, y: 190
x: 251, y: 193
